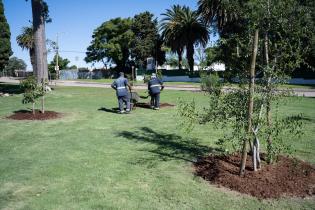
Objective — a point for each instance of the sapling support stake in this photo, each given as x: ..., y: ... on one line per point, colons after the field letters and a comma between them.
x: 256, y: 145
x: 43, y: 97
x: 250, y: 101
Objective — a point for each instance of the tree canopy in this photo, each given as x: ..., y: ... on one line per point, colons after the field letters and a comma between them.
x: 183, y: 28
x: 111, y: 43
x: 62, y: 63
x: 15, y: 64
x: 5, y: 44
x: 126, y: 41
x: 26, y: 41
x: 146, y: 41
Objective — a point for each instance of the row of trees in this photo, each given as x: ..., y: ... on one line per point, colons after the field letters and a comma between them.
x: 5, y: 35
x: 265, y: 37
x: 120, y: 39
x: 14, y: 64
x: 131, y: 41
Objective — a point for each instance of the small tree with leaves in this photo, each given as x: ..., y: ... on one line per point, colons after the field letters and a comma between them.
x: 227, y: 110
x: 267, y: 37
x: 32, y: 91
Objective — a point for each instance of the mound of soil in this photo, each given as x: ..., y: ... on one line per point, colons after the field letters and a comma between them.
x: 28, y: 115
x: 148, y: 106
x: 287, y: 177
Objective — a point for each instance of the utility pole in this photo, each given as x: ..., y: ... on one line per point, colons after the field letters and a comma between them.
x: 57, y: 55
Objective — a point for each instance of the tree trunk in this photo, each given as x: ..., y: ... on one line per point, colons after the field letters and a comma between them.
x: 32, y: 57
x: 250, y: 102
x: 39, y: 41
x: 190, y: 57
x: 43, y: 104
x: 180, y: 58
x: 33, y: 108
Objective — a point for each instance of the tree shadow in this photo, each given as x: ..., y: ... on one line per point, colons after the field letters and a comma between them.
x: 306, y: 118
x: 22, y: 111
x: 10, y: 88
x: 169, y: 146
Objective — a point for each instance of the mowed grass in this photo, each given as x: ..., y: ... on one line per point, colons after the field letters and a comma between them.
x: 96, y: 159
x: 196, y: 84
x: 139, y: 82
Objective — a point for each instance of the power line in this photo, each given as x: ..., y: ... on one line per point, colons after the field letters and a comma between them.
x: 71, y: 51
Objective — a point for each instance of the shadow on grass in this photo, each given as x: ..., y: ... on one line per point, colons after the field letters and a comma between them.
x: 10, y: 88
x: 169, y: 146
x: 112, y: 110
x: 23, y: 111
x: 143, y: 105
x: 306, y: 118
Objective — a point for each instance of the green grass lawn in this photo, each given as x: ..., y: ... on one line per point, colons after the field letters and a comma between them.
x: 96, y: 159
x: 197, y: 84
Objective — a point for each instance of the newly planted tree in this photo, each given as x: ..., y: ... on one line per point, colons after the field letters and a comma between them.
x: 32, y: 91
x: 286, y: 39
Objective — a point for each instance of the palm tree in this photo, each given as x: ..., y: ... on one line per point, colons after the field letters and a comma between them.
x: 183, y: 28
x: 169, y: 27
x: 194, y: 32
x: 26, y: 41
x: 218, y: 12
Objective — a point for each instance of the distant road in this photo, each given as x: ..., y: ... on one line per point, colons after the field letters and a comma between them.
x: 70, y: 83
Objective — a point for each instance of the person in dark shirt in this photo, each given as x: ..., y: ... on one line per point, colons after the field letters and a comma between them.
x: 121, y: 86
x: 155, y: 85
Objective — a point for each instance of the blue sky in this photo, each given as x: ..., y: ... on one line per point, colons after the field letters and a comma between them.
x: 75, y: 20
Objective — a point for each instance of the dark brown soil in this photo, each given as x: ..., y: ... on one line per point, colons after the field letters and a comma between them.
x: 28, y: 115
x: 147, y: 105
x: 287, y: 177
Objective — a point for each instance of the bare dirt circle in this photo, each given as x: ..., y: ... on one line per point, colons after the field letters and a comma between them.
x: 287, y: 177
x: 28, y: 115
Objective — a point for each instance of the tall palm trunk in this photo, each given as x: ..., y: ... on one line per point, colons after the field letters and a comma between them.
x: 190, y: 56
x: 250, y: 103
x: 180, y: 57
x: 41, y: 69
